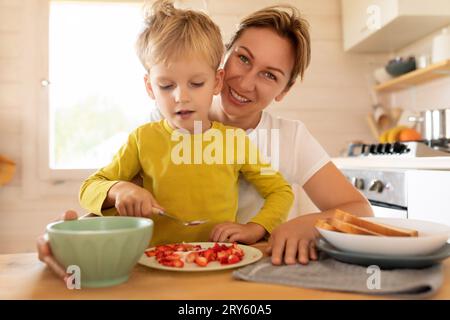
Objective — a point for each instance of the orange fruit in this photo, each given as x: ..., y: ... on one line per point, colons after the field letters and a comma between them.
x: 409, y: 134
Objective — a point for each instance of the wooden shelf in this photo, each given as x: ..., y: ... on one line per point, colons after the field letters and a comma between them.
x: 437, y: 70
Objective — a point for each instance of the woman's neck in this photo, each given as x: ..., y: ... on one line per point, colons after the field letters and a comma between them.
x: 248, y: 122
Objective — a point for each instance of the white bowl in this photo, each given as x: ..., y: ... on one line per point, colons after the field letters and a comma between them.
x: 432, y: 236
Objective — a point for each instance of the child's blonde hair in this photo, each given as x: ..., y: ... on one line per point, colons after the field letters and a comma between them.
x: 172, y: 33
x: 287, y: 22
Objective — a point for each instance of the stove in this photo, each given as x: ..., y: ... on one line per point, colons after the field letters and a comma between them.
x: 402, y: 190
x: 400, y: 149
x: 385, y: 189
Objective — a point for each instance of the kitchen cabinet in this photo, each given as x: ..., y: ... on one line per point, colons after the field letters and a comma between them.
x: 377, y: 26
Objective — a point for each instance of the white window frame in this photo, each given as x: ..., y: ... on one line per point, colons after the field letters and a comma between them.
x: 43, y: 129
x: 36, y: 165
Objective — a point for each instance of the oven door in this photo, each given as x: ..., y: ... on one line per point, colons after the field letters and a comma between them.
x: 384, y: 210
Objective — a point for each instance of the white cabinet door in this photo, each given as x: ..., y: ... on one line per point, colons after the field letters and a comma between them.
x: 388, y: 25
x: 429, y: 195
x: 361, y: 18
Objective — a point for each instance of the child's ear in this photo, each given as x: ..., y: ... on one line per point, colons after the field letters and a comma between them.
x: 148, y: 87
x: 219, y: 81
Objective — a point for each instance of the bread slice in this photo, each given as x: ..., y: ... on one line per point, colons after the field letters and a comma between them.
x: 351, y: 228
x: 377, y: 228
x: 324, y: 224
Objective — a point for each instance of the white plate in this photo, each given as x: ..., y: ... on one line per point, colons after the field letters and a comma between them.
x: 251, y: 255
x: 432, y: 236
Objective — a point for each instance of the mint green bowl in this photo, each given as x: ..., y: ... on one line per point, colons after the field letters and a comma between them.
x: 105, y: 248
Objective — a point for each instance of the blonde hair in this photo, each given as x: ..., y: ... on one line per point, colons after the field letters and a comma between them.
x: 287, y: 22
x: 171, y: 33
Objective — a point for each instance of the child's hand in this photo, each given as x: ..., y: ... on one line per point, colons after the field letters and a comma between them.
x: 132, y: 200
x: 230, y: 232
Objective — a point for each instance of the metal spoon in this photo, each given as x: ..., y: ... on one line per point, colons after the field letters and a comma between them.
x: 183, y: 222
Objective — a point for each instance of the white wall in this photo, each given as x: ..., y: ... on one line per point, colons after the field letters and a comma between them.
x: 332, y: 101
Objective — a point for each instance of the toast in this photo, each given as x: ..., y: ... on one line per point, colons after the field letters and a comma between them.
x: 346, y: 227
x: 348, y: 223
x: 323, y: 224
x: 378, y: 228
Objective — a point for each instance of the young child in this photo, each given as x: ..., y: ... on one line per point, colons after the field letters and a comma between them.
x: 197, y: 178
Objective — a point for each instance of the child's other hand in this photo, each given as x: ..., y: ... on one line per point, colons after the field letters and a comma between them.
x: 293, y: 241
x: 230, y: 232
x: 132, y: 200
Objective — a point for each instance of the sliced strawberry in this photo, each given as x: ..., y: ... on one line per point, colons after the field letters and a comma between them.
x: 222, y: 254
x: 173, y: 256
x: 233, y: 259
x: 191, y: 257
x: 216, y: 247
x: 167, y: 263
x: 164, y: 248
x: 178, y: 263
x: 201, y: 261
x: 209, y: 254
x: 150, y: 253
x: 159, y: 255
x: 237, y: 252
x: 167, y: 253
x: 223, y: 260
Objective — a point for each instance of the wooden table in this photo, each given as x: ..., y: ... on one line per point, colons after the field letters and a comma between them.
x: 23, y: 276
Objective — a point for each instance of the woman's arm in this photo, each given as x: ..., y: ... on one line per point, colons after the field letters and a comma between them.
x: 329, y: 190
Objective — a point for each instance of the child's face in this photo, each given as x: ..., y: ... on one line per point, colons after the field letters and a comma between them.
x: 184, y: 90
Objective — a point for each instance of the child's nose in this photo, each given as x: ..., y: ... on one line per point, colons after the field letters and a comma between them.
x: 182, y: 95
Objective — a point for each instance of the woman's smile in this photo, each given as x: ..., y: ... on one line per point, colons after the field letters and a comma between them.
x: 237, y: 97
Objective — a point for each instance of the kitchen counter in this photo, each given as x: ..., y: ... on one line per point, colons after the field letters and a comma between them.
x: 23, y: 276
x: 430, y: 163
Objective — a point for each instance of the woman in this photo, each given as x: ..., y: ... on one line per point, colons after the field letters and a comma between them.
x: 270, y: 49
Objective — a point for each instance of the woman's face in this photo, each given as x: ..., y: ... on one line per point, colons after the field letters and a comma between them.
x: 257, y: 70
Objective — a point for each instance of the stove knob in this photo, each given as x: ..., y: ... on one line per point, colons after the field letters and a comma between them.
x: 388, y: 148
x: 358, y: 183
x: 380, y: 148
x: 365, y: 149
x: 399, y: 148
x: 377, y: 186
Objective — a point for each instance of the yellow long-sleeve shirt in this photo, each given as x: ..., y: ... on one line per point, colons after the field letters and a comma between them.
x: 193, y: 176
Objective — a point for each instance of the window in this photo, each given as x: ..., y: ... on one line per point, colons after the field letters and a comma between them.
x: 96, y: 95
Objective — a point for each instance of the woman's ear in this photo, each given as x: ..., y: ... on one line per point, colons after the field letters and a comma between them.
x: 148, y: 87
x: 280, y: 97
x: 219, y: 81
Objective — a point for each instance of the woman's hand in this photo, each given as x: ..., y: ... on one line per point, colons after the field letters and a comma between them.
x: 230, y: 232
x: 294, y: 241
x: 45, y: 252
x: 132, y: 200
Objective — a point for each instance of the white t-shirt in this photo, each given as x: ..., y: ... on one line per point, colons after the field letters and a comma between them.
x: 300, y: 157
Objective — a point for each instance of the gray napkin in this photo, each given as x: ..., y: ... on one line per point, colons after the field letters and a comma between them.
x: 330, y: 274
